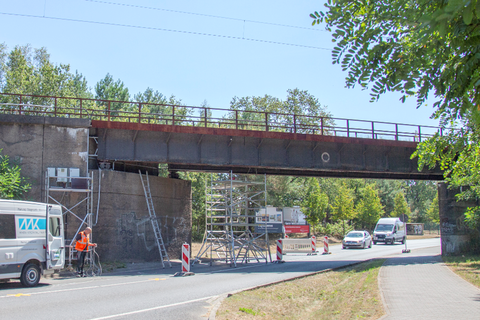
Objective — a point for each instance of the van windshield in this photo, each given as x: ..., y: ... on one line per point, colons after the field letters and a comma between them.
x: 384, y: 227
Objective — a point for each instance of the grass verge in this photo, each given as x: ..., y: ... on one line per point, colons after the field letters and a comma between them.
x: 348, y: 293
x: 466, y: 266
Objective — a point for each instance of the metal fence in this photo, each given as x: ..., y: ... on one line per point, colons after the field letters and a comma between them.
x: 179, y: 115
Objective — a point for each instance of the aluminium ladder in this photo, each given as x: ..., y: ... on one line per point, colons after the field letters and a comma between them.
x: 153, y: 219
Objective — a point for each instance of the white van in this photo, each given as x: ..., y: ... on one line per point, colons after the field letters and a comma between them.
x: 389, y: 230
x: 25, y: 251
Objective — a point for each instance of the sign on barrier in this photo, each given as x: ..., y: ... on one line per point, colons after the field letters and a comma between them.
x: 297, y: 246
x: 297, y: 228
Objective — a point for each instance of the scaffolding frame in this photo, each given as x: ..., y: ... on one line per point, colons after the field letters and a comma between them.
x: 231, y: 224
x: 54, y: 194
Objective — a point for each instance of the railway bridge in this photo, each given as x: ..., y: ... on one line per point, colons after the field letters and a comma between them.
x: 218, y: 140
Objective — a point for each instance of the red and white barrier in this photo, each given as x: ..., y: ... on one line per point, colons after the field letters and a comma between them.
x: 314, y: 245
x: 185, y: 257
x: 325, y: 245
x: 279, y: 250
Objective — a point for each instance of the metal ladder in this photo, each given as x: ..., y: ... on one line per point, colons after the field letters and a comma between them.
x: 153, y: 219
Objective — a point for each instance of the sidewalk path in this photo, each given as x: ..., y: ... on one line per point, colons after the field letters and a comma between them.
x: 419, y: 285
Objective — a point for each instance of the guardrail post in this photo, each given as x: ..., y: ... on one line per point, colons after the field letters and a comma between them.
x: 236, y: 119
x: 294, y: 123
x: 266, y: 121
x: 55, y: 112
x: 108, y: 112
x: 396, y: 131
x: 348, y: 128
x: 173, y: 115
x: 139, y: 113
x: 373, y: 130
x: 321, y: 125
x: 81, y: 100
x: 419, y: 134
x: 20, y: 109
x: 205, y: 120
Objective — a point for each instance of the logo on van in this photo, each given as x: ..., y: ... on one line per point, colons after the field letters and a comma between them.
x: 32, y: 224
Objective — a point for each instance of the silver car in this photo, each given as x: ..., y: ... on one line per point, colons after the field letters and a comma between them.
x: 357, y: 239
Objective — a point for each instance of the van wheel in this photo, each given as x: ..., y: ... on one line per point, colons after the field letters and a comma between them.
x: 403, y: 240
x: 375, y: 242
x: 392, y: 242
x: 30, y: 275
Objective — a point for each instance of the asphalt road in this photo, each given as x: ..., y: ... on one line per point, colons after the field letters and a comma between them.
x: 147, y: 291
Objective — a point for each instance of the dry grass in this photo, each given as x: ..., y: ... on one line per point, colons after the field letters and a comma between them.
x: 466, y: 266
x: 349, y: 293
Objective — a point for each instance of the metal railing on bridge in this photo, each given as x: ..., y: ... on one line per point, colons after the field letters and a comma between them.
x: 178, y: 115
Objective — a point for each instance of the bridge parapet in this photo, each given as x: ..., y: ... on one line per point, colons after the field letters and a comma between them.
x: 191, y: 116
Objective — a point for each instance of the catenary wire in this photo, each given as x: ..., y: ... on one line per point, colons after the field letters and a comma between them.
x: 163, y: 29
x: 202, y: 14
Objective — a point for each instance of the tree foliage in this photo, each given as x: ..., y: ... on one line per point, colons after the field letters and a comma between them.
x: 305, y: 106
x: 401, y: 206
x: 109, y: 89
x: 315, y: 202
x: 12, y: 184
x: 343, y: 206
x: 413, y: 47
x: 29, y: 71
x: 369, y: 208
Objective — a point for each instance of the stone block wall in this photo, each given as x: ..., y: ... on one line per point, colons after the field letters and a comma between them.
x: 454, y: 233
x: 123, y: 230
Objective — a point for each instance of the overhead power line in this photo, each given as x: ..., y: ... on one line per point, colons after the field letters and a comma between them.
x: 203, y: 15
x: 163, y: 29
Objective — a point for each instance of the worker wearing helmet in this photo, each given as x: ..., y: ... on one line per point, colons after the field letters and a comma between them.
x: 82, y: 245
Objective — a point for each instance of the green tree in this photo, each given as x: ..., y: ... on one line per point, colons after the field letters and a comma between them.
x: 315, y: 202
x: 401, y: 206
x: 159, y: 105
x: 108, y: 89
x: 413, y: 47
x: 433, y: 212
x: 387, y: 190
x: 369, y: 208
x: 199, y: 181
x: 343, y: 208
x: 12, y: 184
x: 284, y: 191
x: 419, y: 196
x: 305, y: 106
x: 29, y: 71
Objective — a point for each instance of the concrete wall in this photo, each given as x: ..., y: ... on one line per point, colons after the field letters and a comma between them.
x: 41, y: 142
x: 124, y: 230
x: 454, y: 233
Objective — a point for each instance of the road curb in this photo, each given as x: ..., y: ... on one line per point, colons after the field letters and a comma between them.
x: 385, y: 306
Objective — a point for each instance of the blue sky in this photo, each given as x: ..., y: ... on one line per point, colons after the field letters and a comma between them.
x: 199, y: 50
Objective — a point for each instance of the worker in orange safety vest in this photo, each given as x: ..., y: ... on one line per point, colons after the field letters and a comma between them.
x: 82, y: 244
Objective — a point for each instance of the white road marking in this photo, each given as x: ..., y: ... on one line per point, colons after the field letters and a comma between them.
x: 85, y: 288
x: 151, y: 309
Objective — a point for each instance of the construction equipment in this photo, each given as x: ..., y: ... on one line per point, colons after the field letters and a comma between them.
x: 232, y: 232
x: 153, y: 219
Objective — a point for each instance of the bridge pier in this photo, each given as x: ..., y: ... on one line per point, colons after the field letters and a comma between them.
x: 455, y: 235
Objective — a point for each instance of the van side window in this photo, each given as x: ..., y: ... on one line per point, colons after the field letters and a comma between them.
x: 7, y: 226
x: 54, y: 226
